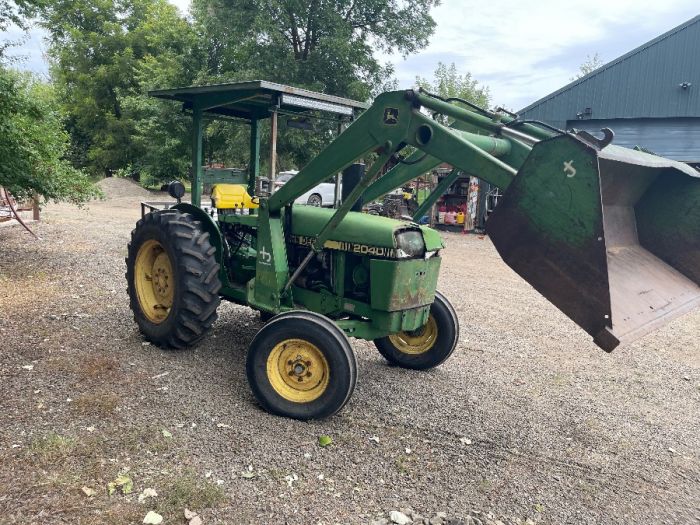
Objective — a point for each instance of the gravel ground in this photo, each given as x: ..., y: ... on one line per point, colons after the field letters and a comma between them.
x: 528, y: 419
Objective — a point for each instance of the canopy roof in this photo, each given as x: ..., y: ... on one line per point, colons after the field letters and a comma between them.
x: 255, y: 100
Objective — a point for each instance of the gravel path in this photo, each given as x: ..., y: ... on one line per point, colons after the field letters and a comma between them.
x: 528, y: 419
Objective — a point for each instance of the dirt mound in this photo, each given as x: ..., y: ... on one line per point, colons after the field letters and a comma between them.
x: 118, y: 188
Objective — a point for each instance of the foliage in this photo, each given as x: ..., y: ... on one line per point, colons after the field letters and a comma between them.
x: 105, y: 56
x: 325, y: 45
x: 322, y: 45
x: 448, y: 83
x: 589, y: 65
x: 33, y: 143
x: 18, y: 13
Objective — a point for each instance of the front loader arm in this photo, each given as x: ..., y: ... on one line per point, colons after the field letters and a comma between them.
x: 391, y: 123
x: 587, y: 224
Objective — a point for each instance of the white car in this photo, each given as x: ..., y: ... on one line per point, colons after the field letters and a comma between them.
x: 321, y: 195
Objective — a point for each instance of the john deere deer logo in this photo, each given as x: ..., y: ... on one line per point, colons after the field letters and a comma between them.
x: 391, y: 116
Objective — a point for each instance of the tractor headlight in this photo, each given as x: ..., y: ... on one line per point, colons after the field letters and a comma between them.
x: 410, y: 244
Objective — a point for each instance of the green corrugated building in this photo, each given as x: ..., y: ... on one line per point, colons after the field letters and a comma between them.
x: 649, y: 97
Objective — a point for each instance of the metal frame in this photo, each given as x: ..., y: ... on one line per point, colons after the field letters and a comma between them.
x: 251, y: 102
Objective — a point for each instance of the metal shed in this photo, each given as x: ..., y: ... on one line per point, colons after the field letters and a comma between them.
x: 650, y: 97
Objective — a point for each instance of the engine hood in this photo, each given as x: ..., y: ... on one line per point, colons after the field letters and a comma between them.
x: 360, y: 228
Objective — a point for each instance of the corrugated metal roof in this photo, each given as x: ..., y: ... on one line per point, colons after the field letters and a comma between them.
x: 642, y: 83
x: 255, y: 98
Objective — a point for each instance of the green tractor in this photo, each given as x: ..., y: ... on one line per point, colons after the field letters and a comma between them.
x: 610, y: 236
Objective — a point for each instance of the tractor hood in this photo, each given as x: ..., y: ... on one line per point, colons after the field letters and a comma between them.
x: 358, y: 228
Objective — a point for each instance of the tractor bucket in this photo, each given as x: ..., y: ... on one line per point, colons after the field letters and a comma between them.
x: 610, y: 236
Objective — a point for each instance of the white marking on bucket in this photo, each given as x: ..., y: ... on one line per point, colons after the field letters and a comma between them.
x: 569, y: 169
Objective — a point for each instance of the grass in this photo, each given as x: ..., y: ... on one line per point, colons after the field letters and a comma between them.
x: 97, y: 367
x: 101, y: 405
x: 187, y: 490
x: 401, y: 463
x: 52, y: 448
x: 90, y: 369
x: 484, y: 486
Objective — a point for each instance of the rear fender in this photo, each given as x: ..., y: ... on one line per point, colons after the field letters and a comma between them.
x: 215, y: 237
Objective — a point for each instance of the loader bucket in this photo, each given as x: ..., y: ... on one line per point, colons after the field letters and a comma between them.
x: 610, y: 236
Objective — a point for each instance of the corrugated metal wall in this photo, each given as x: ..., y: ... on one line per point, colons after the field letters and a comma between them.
x: 675, y: 138
x: 641, y: 84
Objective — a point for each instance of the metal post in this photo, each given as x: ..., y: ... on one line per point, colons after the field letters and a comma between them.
x: 35, y: 207
x: 352, y: 175
x: 273, y: 148
x: 197, y: 156
x: 254, y: 164
x: 338, y: 176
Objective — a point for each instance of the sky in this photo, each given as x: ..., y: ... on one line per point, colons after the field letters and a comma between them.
x: 521, y: 49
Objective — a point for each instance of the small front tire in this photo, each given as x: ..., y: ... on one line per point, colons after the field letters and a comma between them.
x: 301, y: 365
x: 428, y: 346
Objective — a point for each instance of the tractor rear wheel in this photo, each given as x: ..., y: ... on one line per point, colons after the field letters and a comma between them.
x: 172, y: 279
x: 301, y: 365
x: 428, y: 346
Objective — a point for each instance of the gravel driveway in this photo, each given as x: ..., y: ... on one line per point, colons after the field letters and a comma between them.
x: 528, y: 419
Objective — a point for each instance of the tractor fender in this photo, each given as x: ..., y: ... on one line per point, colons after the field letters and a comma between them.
x: 210, y: 227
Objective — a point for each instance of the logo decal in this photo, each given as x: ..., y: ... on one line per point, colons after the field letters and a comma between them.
x: 391, y: 116
x: 265, y: 256
x: 359, y: 249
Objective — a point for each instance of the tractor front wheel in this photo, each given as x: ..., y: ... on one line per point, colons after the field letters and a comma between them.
x: 301, y: 365
x: 428, y: 346
x: 172, y: 279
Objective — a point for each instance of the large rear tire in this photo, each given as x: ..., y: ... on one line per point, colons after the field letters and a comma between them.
x: 172, y: 279
x: 301, y: 365
x: 427, y: 347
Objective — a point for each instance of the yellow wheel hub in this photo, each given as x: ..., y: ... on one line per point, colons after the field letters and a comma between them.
x: 154, y: 281
x: 417, y: 341
x: 298, y: 370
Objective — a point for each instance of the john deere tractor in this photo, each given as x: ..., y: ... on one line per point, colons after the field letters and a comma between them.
x: 609, y: 235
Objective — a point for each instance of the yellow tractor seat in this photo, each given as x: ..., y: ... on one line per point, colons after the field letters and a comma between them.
x: 231, y: 196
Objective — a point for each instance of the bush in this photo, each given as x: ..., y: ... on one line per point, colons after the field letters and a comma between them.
x: 34, y: 143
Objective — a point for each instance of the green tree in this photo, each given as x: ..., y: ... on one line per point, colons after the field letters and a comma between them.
x: 18, y: 13
x: 589, y: 65
x: 323, y: 45
x: 327, y: 45
x: 105, y: 56
x: 448, y: 83
x: 33, y: 143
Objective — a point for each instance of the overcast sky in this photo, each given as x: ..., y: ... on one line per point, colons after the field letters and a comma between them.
x: 522, y: 49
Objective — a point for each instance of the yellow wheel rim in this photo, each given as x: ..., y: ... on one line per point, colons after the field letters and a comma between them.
x: 417, y: 341
x: 154, y: 281
x: 298, y: 371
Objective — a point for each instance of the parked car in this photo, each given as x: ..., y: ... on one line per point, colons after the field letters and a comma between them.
x: 321, y: 195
